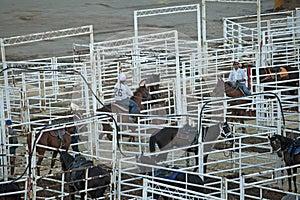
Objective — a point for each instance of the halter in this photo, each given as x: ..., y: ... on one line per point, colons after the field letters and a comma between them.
x: 226, y: 133
x: 223, y: 132
x: 279, y: 149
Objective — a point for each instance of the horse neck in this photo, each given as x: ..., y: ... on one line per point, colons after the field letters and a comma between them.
x: 72, y: 130
x: 68, y: 161
x: 285, y: 142
x: 212, y: 133
x: 137, y: 98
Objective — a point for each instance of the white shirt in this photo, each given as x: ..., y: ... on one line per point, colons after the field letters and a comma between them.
x: 122, y: 91
x: 238, y: 74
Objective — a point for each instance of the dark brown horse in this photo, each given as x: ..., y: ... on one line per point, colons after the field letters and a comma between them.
x: 171, y: 137
x: 283, y: 145
x: 138, y: 97
x: 56, y: 138
x: 231, y: 91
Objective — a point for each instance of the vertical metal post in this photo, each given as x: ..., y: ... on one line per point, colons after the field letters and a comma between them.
x: 258, y: 7
x: 4, y: 64
x: 3, y: 149
x: 178, y: 78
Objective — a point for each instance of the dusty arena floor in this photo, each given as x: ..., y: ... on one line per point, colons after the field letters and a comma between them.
x: 110, y: 19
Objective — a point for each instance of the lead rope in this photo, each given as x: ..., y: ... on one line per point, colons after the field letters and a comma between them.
x: 227, y: 144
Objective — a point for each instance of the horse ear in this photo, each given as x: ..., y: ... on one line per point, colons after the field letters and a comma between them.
x: 142, y: 83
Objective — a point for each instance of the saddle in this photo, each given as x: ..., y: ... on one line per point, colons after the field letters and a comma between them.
x: 162, y: 173
x: 294, y: 148
x: 60, y: 134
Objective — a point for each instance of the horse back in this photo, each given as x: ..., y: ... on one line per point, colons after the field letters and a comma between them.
x: 48, y: 139
x: 165, y: 134
x: 193, y: 179
x: 99, y: 181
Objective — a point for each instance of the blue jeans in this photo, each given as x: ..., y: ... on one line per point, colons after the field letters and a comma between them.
x: 244, y: 88
x: 133, y: 107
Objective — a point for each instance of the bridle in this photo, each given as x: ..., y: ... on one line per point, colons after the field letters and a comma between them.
x: 226, y: 134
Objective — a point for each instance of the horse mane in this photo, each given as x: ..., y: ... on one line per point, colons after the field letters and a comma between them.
x: 66, y: 160
x: 139, y: 90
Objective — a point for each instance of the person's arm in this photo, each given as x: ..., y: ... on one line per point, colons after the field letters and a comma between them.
x: 230, y: 76
x: 129, y: 92
x: 243, y: 75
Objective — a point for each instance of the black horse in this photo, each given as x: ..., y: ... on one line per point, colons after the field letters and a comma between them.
x: 170, y: 137
x: 75, y: 173
x: 8, y: 188
x: 291, y: 154
x: 169, y: 177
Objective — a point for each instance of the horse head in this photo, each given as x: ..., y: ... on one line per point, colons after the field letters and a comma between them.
x: 152, y: 85
x: 66, y: 160
x: 141, y: 94
x: 219, y: 90
x: 276, y: 144
x: 225, y: 130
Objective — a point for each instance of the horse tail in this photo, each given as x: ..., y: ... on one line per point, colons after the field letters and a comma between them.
x: 152, y: 142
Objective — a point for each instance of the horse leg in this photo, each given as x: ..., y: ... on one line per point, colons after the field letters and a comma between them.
x: 41, y: 153
x: 205, y: 158
x: 289, y: 171
x: 82, y: 195
x: 72, y: 191
x: 152, y: 142
x: 107, y: 127
x: 197, y: 163
x: 295, y: 179
x: 12, y: 164
x: 131, y: 139
x: 74, y: 140
x: 204, y: 162
x: 53, y: 160
x: 243, y: 128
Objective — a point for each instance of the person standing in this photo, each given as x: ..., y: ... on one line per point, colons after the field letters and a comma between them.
x: 123, y: 94
x: 238, y: 78
x: 13, y: 139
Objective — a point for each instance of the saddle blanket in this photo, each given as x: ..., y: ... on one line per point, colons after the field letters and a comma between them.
x: 57, y: 132
x: 297, y: 150
x: 171, y: 175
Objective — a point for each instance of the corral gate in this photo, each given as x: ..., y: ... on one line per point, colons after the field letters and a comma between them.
x: 31, y: 38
